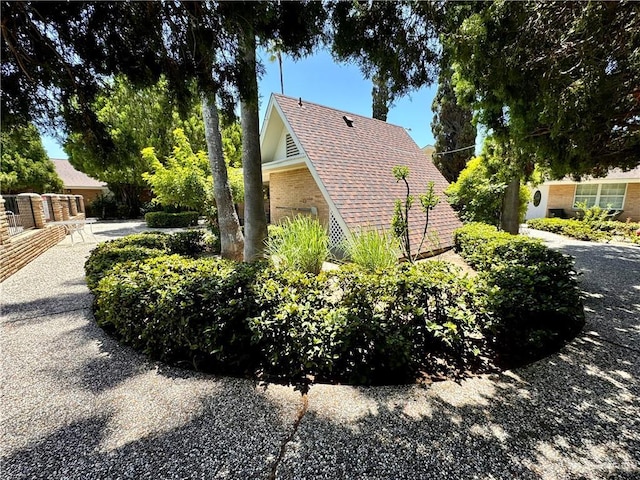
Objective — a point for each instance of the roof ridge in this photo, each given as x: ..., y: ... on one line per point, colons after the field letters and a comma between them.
x: 337, y: 110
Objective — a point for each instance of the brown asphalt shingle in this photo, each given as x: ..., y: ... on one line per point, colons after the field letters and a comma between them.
x: 74, y: 178
x: 354, y: 164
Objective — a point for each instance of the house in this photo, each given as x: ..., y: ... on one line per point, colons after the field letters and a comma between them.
x: 78, y: 183
x: 337, y: 167
x: 617, y: 191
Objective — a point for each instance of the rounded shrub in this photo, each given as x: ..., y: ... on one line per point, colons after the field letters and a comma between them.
x: 350, y: 325
x: 531, y: 291
x: 171, y: 220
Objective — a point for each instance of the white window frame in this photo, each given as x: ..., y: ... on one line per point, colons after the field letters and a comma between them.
x: 598, y: 194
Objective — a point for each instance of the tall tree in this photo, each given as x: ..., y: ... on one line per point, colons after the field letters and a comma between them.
x: 452, y: 127
x: 57, y: 56
x: 25, y: 165
x: 394, y: 43
x: 556, y: 83
x: 380, y: 96
x: 297, y: 28
x: 133, y: 118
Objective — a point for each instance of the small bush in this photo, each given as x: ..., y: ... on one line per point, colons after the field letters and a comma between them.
x: 303, y: 245
x: 531, y: 291
x: 373, y: 250
x: 171, y: 220
x: 104, y: 258
x: 349, y: 325
x: 190, y: 243
x: 182, y: 310
x: 594, y: 229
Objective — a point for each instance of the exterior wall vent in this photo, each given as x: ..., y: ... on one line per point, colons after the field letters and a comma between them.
x: 292, y: 149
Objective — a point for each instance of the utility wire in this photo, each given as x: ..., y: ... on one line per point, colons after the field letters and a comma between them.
x: 454, y: 151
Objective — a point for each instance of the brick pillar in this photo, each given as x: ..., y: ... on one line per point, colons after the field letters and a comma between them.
x: 24, y: 207
x: 73, y: 207
x: 4, y: 227
x: 80, y: 202
x: 64, y: 203
x: 56, y: 206
x: 34, y: 209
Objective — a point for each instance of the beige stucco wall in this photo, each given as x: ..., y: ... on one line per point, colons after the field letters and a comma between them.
x: 297, y: 189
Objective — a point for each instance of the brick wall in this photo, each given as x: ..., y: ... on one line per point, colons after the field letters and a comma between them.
x: 561, y: 196
x: 631, y: 208
x: 295, y: 189
x: 18, y: 250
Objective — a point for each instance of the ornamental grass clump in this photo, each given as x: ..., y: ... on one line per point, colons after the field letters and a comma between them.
x: 302, y: 245
x: 373, y: 250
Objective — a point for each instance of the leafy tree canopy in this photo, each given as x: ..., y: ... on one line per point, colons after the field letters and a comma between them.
x: 396, y: 42
x: 452, y: 127
x: 25, y: 164
x: 479, y: 191
x: 559, y: 80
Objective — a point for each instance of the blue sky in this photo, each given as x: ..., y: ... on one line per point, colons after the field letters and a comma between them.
x: 320, y: 80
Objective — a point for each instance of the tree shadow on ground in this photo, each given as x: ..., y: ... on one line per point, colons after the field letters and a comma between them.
x: 563, y: 417
x: 236, y: 433
x: 37, y: 311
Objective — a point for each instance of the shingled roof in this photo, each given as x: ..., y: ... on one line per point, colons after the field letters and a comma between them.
x: 72, y: 178
x: 353, y: 157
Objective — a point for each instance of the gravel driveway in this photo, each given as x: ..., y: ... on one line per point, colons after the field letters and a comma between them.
x: 76, y: 405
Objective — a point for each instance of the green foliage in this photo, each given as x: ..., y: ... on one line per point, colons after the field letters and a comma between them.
x: 25, y: 165
x: 171, y: 220
x: 406, y: 319
x: 479, y: 191
x: 372, y: 250
x: 189, y: 243
x: 141, y: 246
x: 348, y: 325
x: 555, y: 81
x: 183, y: 180
x: 290, y: 326
x: 103, y: 206
x: 132, y: 118
x: 452, y: 126
x: 232, y: 145
x: 531, y: 291
x: 182, y: 310
x: 592, y: 215
x: 303, y: 245
x: 596, y: 230
x: 103, y: 260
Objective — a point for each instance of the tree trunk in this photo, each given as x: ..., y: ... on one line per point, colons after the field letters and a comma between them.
x: 510, y: 221
x: 231, y: 241
x: 255, y: 220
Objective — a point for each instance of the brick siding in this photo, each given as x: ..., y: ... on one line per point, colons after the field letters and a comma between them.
x: 631, y: 208
x: 561, y: 196
x: 295, y: 189
x: 18, y: 250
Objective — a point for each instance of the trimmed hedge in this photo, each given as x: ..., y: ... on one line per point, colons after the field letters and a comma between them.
x: 348, y: 325
x: 171, y: 220
x: 602, y: 230
x: 531, y: 291
x: 141, y: 246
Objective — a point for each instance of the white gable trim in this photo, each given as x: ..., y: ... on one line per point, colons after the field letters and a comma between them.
x: 303, y: 158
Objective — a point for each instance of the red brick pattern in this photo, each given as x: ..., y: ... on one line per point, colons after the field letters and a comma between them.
x: 354, y: 165
x: 295, y: 189
x: 17, y: 251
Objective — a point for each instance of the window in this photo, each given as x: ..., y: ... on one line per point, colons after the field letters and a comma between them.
x: 604, y: 195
